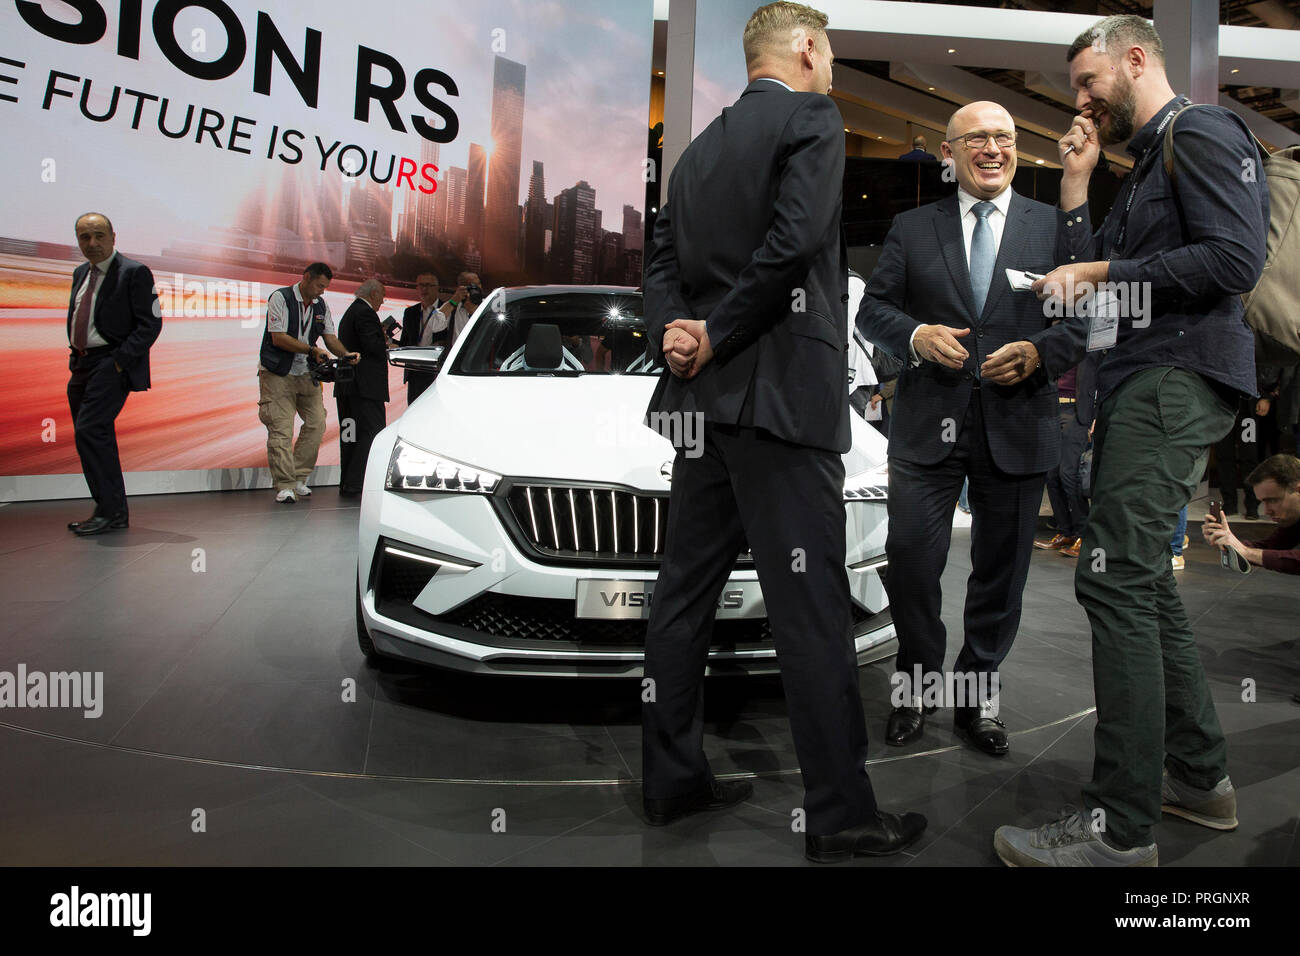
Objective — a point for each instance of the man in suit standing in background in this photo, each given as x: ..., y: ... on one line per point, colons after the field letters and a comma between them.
x: 976, y: 399
x: 113, y: 319
x: 918, y: 153
x: 428, y: 322
x: 745, y: 298
x: 361, y: 400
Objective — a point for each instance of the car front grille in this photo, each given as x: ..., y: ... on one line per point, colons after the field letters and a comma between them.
x: 585, y: 524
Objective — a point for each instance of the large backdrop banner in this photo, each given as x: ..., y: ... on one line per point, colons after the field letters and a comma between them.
x: 231, y: 143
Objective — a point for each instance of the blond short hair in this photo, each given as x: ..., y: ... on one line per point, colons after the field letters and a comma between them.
x: 771, y: 25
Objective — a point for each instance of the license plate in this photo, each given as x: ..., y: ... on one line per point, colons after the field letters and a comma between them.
x: 631, y: 600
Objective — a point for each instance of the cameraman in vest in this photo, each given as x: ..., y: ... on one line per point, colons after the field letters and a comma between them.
x: 296, y: 316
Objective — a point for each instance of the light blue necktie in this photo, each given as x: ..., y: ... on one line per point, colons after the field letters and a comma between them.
x: 982, y: 255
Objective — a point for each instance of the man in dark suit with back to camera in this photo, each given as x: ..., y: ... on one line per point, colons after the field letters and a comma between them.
x: 976, y: 398
x: 745, y: 298
x: 361, y: 400
x: 113, y: 319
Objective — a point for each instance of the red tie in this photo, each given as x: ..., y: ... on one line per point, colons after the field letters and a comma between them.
x: 81, y: 321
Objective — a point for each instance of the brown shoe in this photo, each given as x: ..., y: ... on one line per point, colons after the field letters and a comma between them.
x: 1072, y: 549
x: 1058, y: 541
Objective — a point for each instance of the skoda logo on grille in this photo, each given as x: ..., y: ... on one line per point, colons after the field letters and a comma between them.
x: 666, y: 471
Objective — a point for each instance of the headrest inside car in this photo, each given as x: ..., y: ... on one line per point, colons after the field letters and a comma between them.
x: 543, y: 351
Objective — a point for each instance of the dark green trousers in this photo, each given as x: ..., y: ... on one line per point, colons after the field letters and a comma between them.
x: 1150, y: 446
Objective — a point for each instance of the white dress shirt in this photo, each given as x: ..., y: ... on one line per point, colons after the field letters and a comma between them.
x: 93, y: 338
x: 997, y: 222
x: 432, y: 321
x: 775, y: 80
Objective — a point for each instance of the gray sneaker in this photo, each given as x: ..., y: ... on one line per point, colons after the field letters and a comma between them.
x: 1069, y: 841
x: 1216, y: 809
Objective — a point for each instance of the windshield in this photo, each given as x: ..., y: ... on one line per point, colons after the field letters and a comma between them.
x: 565, y: 333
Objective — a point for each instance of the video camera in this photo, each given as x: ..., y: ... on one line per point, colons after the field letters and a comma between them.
x: 333, y: 370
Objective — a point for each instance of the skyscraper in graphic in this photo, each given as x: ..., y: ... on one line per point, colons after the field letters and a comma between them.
x: 573, y: 244
x: 536, y: 222
x: 370, y: 219
x: 474, y: 196
x: 501, y: 221
x: 451, y: 205
x: 286, y: 204
x: 633, y: 233
x: 420, y: 206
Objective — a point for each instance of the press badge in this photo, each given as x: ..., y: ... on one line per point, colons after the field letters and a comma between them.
x: 1103, y: 328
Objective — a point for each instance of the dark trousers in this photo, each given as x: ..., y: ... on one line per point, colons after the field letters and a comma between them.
x: 1069, y: 506
x: 96, y: 393
x: 1153, y: 702
x: 1004, y: 512
x: 1235, y: 458
x: 416, y: 383
x: 367, y: 418
x: 787, y: 502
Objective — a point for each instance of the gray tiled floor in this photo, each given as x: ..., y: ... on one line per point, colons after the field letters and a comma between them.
x: 238, y: 690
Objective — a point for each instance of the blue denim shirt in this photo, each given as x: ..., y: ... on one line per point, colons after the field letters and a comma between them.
x: 1196, y: 246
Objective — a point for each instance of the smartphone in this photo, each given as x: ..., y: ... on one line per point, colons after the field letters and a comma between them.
x: 1216, y: 509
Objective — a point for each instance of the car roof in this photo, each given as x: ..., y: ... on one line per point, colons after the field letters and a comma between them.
x: 514, y: 293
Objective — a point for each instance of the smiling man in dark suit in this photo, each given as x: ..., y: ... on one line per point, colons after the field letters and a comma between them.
x: 113, y: 319
x: 745, y: 298
x: 976, y: 398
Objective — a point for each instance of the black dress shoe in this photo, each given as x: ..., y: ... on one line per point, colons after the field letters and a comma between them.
x: 74, y: 525
x: 101, y: 523
x: 716, y: 795
x: 984, y: 732
x: 887, y: 835
x: 349, y: 492
x: 905, y: 724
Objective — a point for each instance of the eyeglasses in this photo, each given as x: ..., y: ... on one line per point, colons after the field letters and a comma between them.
x: 980, y: 140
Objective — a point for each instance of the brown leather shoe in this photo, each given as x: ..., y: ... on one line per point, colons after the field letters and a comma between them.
x: 1072, y: 550
x: 1058, y: 541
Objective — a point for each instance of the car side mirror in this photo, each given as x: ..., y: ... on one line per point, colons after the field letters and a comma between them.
x: 421, y: 358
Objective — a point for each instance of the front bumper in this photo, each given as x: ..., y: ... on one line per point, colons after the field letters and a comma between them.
x: 442, y: 582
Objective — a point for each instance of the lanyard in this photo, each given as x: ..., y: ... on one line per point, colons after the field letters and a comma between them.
x: 1139, y: 167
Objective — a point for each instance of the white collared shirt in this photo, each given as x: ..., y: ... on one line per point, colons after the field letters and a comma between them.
x: 775, y: 80
x: 997, y: 219
x: 93, y: 338
x: 432, y: 321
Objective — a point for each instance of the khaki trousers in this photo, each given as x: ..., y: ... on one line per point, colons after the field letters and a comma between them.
x: 280, y: 397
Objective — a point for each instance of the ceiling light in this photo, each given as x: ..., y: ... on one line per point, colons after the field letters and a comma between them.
x: 951, y: 50
x: 1039, y: 162
x: 1236, y: 70
x: 931, y: 89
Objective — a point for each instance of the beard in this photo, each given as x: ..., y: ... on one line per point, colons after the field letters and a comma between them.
x: 1121, y: 111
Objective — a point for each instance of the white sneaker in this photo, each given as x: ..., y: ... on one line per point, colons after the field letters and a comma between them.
x: 1179, y: 562
x: 302, y: 490
x: 286, y: 497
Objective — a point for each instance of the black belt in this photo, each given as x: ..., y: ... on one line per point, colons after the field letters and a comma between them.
x: 95, y: 352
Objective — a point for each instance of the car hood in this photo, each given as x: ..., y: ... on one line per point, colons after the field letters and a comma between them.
x: 587, y: 429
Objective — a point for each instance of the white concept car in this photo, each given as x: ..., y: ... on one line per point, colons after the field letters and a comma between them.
x: 513, y: 519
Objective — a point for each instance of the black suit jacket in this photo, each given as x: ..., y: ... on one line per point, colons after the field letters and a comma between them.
x: 126, y: 314
x: 1085, y: 389
x: 922, y: 278
x: 749, y: 241
x: 361, y: 331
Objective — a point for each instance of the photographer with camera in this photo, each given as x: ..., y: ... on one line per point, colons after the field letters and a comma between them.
x: 464, y: 301
x: 361, y: 396
x: 296, y: 316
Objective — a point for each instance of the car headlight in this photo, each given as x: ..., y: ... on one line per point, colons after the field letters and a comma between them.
x: 870, y: 485
x: 413, y: 469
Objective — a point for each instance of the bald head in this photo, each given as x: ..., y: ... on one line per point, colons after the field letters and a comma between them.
x: 984, y: 172
x: 963, y: 121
